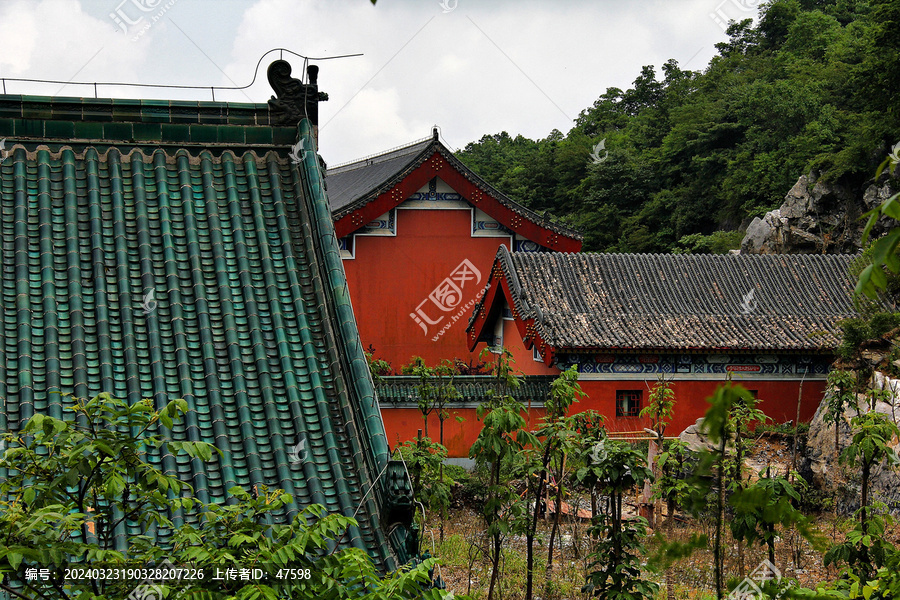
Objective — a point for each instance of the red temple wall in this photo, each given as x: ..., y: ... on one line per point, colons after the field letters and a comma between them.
x: 778, y: 399
x: 524, y: 358
x: 404, y: 424
x: 391, y: 276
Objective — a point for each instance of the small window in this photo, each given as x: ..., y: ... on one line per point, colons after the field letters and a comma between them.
x: 536, y: 354
x: 628, y: 403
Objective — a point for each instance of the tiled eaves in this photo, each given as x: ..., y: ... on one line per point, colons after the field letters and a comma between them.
x: 240, y: 326
x: 401, y: 390
x: 427, y: 152
x: 362, y: 415
x: 622, y: 302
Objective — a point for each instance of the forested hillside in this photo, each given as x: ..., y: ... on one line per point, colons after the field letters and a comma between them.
x: 690, y: 156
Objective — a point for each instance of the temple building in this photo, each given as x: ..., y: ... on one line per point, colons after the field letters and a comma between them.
x: 418, y: 232
x: 170, y: 249
x: 768, y: 322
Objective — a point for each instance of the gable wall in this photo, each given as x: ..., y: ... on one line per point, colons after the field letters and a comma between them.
x: 416, y: 272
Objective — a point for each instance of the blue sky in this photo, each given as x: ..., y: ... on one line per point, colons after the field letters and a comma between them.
x: 469, y: 66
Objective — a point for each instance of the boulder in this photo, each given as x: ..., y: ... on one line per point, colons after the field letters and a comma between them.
x: 818, y: 217
x: 695, y: 439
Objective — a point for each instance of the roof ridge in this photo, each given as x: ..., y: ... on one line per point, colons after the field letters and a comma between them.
x: 365, y: 160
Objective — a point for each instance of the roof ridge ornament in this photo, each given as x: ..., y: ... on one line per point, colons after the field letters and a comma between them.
x: 295, y: 99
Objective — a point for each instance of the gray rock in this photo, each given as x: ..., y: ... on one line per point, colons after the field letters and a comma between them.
x: 816, y: 217
x: 764, y: 235
x: 696, y: 440
x: 821, y: 464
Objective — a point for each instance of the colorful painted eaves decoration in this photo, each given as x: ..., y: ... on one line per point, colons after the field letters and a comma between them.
x: 168, y: 249
x: 596, y: 303
x: 363, y: 190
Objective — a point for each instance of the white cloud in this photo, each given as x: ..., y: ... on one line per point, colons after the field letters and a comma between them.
x: 524, y: 66
x: 57, y: 39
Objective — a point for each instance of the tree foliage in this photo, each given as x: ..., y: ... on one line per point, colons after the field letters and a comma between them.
x: 84, y: 490
x: 502, y: 438
x: 687, y: 157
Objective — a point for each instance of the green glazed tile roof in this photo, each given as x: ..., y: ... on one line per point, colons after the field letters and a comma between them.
x: 472, y: 389
x: 158, y: 271
x: 168, y: 124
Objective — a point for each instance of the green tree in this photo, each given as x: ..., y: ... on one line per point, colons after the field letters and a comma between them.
x: 719, y: 426
x: 670, y: 485
x: 434, y: 391
x: 842, y: 393
x: 615, y: 560
x: 760, y: 507
x: 592, y: 437
x: 502, y: 437
x: 559, y: 440
x: 690, y: 156
x: 78, y: 487
x: 425, y: 460
x: 873, y: 439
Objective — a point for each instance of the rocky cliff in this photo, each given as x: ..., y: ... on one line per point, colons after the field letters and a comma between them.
x: 822, y: 468
x: 818, y: 217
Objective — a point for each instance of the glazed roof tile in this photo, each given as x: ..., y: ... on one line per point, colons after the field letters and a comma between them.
x: 686, y: 302
x: 167, y: 270
x: 471, y: 388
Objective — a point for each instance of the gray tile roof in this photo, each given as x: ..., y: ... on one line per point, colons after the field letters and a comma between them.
x: 353, y: 185
x: 352, y: 181
x: 640, y: 301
